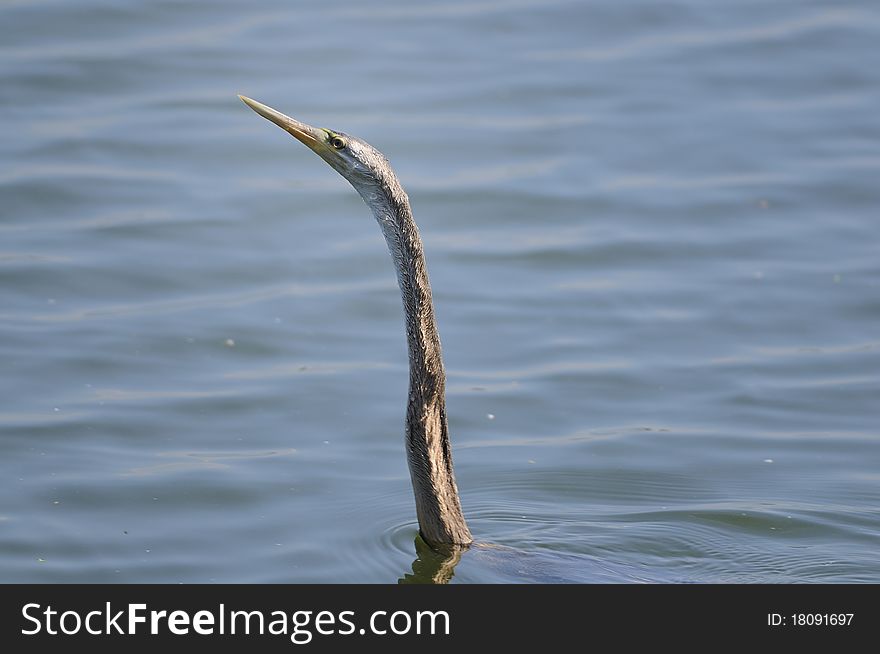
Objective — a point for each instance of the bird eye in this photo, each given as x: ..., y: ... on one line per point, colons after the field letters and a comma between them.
x: 337, y: 142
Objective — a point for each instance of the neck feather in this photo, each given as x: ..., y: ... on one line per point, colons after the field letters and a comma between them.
x: 427, y: 438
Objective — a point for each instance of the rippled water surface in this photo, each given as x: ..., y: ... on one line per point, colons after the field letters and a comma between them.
x: 652, y: 231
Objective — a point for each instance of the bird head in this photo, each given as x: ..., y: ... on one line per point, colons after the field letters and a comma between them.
x: 356, y: 160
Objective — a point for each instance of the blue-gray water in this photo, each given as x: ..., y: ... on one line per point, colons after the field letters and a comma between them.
x: 652, y: 232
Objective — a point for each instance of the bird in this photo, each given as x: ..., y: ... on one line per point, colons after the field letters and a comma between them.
x: 429, y: 453
x: 444, y: 536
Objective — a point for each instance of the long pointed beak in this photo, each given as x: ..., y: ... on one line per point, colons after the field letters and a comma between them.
x: 308, y: 135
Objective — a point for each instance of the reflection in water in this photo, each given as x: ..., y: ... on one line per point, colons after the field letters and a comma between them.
x: 432, y: 566
x: 496, y: 563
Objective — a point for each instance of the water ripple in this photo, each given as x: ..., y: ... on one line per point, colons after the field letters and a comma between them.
x: 685, y: 41
x: 194, y: 303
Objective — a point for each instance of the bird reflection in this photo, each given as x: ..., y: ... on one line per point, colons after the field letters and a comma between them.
x: 433, y: 565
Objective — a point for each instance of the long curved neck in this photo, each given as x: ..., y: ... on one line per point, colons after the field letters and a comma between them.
x: 427, y: 438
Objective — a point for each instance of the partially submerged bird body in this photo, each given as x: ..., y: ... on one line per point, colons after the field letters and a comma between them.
x: 429, y: 455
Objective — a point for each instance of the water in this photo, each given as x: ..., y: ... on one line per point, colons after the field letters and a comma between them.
x: 652, y: 233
